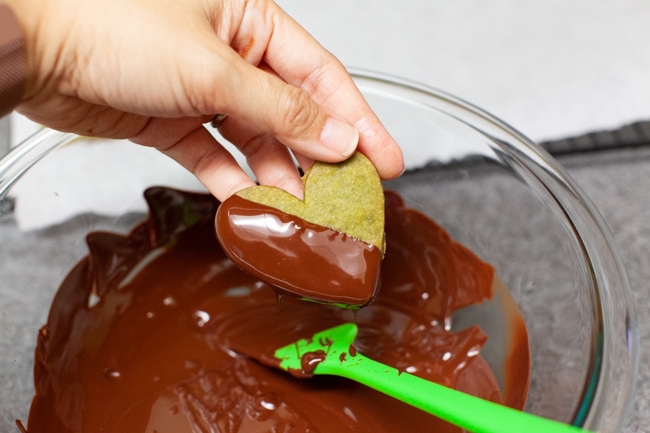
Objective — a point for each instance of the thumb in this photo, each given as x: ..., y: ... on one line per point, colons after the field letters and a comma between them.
x: 290, y: 114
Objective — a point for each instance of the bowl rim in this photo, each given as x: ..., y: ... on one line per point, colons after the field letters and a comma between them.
x: 616, y: 331
x: 616, y: 315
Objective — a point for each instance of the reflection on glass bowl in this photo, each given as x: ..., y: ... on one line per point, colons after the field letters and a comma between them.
x: 489, y: 186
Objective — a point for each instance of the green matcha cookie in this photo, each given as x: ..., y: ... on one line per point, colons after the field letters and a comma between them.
x: 346, y: 196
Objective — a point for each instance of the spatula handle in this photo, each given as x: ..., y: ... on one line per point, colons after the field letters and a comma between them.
x: 464, y: 410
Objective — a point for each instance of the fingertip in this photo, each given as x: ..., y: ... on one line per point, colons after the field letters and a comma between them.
x: 381, y: 148
x: 392, y: 165
x: 388, y: 160
x: 224, y: 190
x: 293, y: 186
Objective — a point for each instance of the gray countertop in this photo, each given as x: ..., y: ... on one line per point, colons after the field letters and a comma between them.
x: 618, y: 182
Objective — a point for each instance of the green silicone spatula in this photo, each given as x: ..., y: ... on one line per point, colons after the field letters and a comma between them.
x: 331, y: 352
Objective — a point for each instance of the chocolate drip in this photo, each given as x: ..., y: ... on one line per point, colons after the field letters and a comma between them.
x: 158, y: 348
x: 305, y: 259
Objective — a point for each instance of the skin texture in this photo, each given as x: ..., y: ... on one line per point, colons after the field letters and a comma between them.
x: 156, y: 71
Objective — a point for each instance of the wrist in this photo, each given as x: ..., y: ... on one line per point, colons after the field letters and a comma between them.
x: 13, y: 63
x: 26, y: 13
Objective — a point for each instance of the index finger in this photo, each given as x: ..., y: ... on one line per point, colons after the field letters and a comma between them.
x: 296, y: 57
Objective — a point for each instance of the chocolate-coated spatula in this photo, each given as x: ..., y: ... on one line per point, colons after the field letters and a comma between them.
x: 331, y: 352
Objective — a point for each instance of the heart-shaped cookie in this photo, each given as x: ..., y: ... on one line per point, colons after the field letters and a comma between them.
x: 327, y: 247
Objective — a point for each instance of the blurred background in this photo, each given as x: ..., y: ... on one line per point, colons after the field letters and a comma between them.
x: 551, y: 69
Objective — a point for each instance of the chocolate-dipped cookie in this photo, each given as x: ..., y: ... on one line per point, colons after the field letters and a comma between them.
x: 327, y: 247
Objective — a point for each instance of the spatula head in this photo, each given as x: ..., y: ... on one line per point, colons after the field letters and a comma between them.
x: 332, y: 346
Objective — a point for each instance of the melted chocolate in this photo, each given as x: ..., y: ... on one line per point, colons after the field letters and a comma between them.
x: 308, y: 363
x: 140, y: 336
x: 305, y: 259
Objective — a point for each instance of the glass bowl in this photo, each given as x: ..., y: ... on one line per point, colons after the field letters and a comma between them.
x: 489, y: 186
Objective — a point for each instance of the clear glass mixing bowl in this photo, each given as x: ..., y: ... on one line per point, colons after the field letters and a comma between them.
x: 493, y: 189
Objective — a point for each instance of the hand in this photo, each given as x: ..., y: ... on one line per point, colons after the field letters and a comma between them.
x: 155, y: 71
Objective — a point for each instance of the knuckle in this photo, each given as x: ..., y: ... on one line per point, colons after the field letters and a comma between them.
x: 298, y: 110
x: 204, y: 163
x: 255, y: 144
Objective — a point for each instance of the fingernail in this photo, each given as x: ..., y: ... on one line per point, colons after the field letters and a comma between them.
x: 339, y: 137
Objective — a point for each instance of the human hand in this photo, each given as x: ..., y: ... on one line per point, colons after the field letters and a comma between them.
x: 156, y: 71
